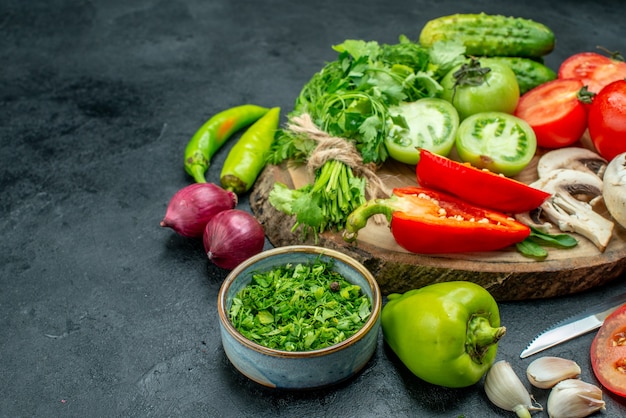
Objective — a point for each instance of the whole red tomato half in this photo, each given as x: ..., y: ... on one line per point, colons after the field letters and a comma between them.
x: 607, y: 120
x: 608, y: 352
x: 554, y: 112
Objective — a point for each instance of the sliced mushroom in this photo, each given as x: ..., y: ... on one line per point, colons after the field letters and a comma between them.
x: 570, y: 207
x: 573, y: 158
x: 535, y: 219
x: 615, y: 189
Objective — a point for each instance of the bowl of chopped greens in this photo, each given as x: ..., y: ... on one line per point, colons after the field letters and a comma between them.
x: 299, y: 317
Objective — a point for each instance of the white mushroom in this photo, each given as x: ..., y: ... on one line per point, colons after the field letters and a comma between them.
x: 570, y: 207
x: 573, y: 158
x: 533, y: 218
x: 615, y: 188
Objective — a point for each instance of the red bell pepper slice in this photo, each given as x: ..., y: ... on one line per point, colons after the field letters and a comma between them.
x: 425, y: 221
x: 479, y: 187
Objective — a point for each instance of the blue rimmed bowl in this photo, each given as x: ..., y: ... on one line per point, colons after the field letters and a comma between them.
x: 299, y: 369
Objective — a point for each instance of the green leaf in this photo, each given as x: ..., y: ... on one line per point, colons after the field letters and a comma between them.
x: 359, y: 48
x: 556, y: 240
x: 364, y: 310
x: 328, y: 313
x: 528, y: 248
x: 282, y: 198
x: 309, y: 339
x: 369, y: 127
x: 308, y: 210
x: 445, y: 55
x: 265, y: 317
x: 533, y: 245
x: 429, y: 84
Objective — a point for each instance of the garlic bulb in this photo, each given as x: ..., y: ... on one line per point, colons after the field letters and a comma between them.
x: 545, y: 372
x: 507, y: 391
x: 573, y: 398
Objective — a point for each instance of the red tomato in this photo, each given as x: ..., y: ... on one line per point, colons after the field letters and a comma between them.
x: 581, y: 65
x: 593, y: 69
x: 607, y: 120
x: 608, y: 352
x: 554, y: 112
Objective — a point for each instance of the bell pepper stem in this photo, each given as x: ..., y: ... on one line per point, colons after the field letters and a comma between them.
x: 481, y: 335
x: 359, y: 217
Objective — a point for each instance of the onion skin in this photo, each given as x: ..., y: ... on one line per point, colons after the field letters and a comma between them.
x: 231, y: 237
x: 193, y: 206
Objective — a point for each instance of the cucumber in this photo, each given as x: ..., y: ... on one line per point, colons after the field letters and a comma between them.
x: 529, y: 73
x: 491, y: 35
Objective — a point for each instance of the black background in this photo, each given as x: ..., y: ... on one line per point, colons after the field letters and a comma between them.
x: 104, y: 313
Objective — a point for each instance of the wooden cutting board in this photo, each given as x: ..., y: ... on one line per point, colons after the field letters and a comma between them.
x: 506, y: 274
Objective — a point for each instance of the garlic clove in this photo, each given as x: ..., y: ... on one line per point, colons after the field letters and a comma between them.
x: 545, y: 372
x: 505, y: 390
x: 573, y: 398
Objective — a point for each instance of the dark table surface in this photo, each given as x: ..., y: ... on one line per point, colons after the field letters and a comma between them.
x: 103, y: 312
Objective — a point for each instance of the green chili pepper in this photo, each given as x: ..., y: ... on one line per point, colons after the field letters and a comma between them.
x: 248, y: 156
x: 445, y: 333
x: 214, y: 133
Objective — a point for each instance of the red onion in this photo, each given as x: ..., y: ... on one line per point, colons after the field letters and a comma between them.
x: 231, y: 237
x: 193, y: 206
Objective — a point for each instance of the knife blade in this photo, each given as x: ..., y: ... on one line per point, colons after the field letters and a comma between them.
x: 574, y: 326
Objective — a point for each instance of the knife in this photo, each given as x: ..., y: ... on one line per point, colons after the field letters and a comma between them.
x: 574, y: 326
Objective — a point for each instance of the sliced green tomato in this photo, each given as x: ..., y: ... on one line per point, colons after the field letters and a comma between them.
x: 497, y: 141
x: 431, y: 124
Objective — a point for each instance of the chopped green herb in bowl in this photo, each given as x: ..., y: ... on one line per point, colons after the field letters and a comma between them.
x: 299, y: 317
x: 299, y: 307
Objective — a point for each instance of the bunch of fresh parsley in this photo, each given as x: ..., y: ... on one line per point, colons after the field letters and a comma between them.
x: 350, y: 98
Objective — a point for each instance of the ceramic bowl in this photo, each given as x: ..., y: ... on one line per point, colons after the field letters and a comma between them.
x: 300, y: 369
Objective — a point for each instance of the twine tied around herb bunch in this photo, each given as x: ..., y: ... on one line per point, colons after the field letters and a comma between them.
x: 338, y: 149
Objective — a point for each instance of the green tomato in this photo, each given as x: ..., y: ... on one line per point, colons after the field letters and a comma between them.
x: 429, y: 123
x: 496, y: 141
x: 481, y: 86
x: 445, y: 333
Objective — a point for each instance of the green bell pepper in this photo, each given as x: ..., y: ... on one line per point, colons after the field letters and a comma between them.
x: 445, y: 333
